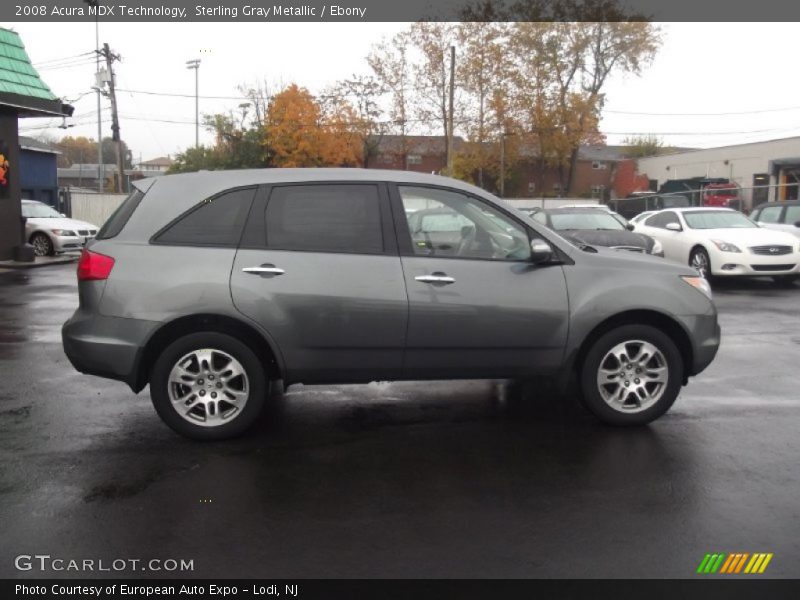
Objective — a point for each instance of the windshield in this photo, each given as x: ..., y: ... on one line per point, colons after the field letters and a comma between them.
x: 37, y: 210
x: 585, y: 220
x: 717, y: 220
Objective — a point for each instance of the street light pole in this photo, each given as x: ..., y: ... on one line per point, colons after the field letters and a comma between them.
x: 195, y: 64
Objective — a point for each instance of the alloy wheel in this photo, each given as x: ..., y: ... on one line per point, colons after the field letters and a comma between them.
x: 41, y: 245
x: 700, y: 262
x: 208, y: 387
x: 632, y: 376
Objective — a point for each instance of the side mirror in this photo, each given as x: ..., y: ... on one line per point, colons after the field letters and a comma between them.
x: 673, y: 227
x: 630, y: 226
x: 540, y: 251
x: 797, y: 223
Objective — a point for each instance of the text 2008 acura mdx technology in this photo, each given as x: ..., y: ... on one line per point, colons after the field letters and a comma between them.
x: 209, y: 286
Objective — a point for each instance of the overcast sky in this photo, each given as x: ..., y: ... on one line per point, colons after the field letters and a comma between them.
x: 705, y: 69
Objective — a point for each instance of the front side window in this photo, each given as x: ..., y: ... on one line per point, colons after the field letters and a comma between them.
x: 770, y: 214
x: 445, y: 223
x: 217, y: 221
x: 342, y: 218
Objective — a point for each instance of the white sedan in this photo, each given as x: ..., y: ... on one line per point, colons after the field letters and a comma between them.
x: 50, y: 232
x: 723, y: 242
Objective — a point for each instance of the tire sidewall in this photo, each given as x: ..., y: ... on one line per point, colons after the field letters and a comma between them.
x: 591, y: 395
x: 252, y: 365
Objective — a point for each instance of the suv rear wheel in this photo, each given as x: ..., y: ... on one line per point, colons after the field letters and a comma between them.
x: 208, y: 386
x: 631, y: 375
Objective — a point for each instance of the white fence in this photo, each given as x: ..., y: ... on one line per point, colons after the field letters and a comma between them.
x: 94, y: 208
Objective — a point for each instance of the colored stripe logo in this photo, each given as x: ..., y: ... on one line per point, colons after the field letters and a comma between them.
x: 735, y: 563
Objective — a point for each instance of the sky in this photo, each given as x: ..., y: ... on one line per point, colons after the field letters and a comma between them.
x: 711, y: 84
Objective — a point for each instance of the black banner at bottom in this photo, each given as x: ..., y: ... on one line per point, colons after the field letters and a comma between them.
x: 403, y: 589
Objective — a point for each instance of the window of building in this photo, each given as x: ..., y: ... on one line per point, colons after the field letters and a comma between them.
x: 557, y: 189
x: 217, y: 221
x: 599, y: 165
x: 531, y: 187
x: 597, y: 191
x: 414, y: 159
x: 325, y: 218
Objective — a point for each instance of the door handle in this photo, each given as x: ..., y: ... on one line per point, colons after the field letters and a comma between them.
x: 264, y: 270
x: 435, y: 278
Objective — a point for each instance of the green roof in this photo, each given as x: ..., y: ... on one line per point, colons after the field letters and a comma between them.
x: 17, y: 75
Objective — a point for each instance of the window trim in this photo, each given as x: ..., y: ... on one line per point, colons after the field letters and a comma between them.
x: 154, y: 238
x: 254, y: 236
x: 403, y: 233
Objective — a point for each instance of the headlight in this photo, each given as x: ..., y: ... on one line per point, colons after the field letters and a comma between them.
x: 699, y: 283
x: 725, y: 246
x: 64, y: 232
x: 657, y: 248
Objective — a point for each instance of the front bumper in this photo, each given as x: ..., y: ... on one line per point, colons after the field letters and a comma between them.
x: 70, y: 243
x: 746, y: 264
x: 705, y: 335
x: 108, y: 347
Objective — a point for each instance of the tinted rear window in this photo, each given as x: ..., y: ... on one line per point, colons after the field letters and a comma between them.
x: 325, y: 218
x: 119, y: 217
x: 217, y: 221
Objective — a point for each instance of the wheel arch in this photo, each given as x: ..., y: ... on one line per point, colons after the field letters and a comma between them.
x: 660, y: 321
x: 177, y: 328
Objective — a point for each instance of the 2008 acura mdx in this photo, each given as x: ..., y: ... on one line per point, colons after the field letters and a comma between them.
x: 209, y: 286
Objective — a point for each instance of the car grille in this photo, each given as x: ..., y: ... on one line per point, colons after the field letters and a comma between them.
x: 629, y: 248
x: 772, y: 267
x: 771, y: 250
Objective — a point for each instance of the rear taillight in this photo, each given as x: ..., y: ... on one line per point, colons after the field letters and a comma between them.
x: 93, y: 266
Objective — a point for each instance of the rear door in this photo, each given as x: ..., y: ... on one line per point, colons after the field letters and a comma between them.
x: 479, y: 306
x: 318, y: 269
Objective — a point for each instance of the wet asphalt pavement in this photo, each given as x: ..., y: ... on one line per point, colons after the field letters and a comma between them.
x: 438, y: 479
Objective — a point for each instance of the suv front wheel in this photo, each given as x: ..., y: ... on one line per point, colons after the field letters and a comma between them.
x: 631, y: 375
x: 208, y: 386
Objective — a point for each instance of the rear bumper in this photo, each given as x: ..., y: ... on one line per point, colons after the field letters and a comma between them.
x: 106, y: 346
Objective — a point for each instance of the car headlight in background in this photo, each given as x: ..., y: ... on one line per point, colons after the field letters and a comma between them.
x: 657, y: 248
x: 699, y: 283
x: 726, y: 246
x: 64, y: 232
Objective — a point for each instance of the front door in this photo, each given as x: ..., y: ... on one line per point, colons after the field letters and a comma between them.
x: 318, y: 269
x: 477, y: 305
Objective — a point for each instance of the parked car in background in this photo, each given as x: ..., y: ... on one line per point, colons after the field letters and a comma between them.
x: 782, y: 216
x: 723, y: 242
x: 596, y: 226
x: 50, y: 232
x: 639, y: 203
x: 209, y: 286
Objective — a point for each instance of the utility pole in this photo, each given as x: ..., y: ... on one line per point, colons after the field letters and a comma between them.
x: 195, y: 64
x: 98, y: 87
x: 450, y: 118
x: 110, y: 59
x: 503, y: 164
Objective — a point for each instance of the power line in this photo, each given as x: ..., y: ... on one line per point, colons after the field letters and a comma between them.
x: 42, y: 63
x: 708, y: 114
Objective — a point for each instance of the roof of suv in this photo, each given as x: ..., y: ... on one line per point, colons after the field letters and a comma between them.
x: 231, y: 178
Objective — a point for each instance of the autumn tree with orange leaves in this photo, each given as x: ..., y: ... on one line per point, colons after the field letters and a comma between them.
x: 300, y: 132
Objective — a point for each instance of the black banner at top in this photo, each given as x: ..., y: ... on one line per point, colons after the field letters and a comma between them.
x: 231, y: 11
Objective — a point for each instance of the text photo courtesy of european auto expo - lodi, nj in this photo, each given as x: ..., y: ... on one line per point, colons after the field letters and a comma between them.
x: 490, y: 299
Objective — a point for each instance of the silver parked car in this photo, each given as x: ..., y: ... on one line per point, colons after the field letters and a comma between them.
x: 50, y: 232
x: 209, y: 286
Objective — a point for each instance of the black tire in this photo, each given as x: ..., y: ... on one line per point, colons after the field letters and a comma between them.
x: 594, y: 401
x: 785, y: 280
x: 702, y: 255
x: 257, y: 387
x: 42, y: 244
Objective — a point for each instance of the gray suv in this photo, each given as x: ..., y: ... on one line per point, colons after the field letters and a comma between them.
x: 211, y: 286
